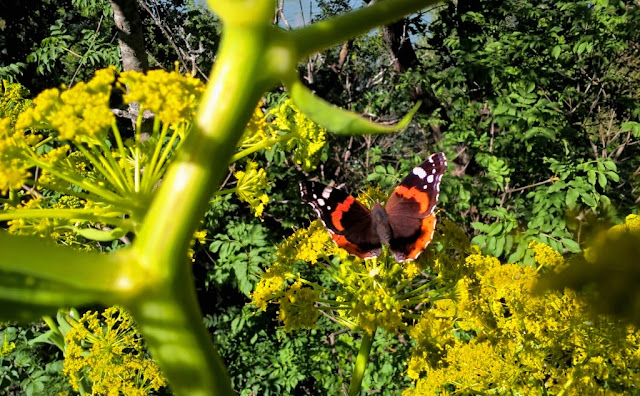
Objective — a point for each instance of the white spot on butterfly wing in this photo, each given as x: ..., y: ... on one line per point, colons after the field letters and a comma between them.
x: 430, y: 179
x: 321, y: 202
x: 326, y: 193
x: 418, y: 171
x: 315, y: 196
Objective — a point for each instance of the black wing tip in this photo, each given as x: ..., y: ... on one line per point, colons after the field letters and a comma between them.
x: 441, y: 157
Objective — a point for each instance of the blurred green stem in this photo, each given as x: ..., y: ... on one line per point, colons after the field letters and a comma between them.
x: 169, y: 315
x: 361, y: 363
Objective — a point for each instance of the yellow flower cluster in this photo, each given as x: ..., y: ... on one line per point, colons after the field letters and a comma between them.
x: 7, y: 347
x: 303, y: 245
x: 315, y: 243
x: 270, y: 286
x: 109, y: 353
x: 71, y: 138
x: 312, y: 244
x: 258, y: 129
x: 81, y: 113
x: 12, y: 100
x: 252, y: 183
x: 546, y: 256
x: 469, y: 367
x: 374, y: 307
x: 297, y: 307
x: 14, y: 167
x: 173, y: 97
x: 308, y: 139
x: 40, y: 227
x: 495, y: 335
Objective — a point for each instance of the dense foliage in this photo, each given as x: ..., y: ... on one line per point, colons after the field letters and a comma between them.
x: 536, y: 104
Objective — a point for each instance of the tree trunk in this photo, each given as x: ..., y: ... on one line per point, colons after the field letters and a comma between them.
x: 130, y: 38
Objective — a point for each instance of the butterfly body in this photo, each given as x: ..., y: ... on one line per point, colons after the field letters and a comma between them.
x: 380, y: 223
x: 405, y: 223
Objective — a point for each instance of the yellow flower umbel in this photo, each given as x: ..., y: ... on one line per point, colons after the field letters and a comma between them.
x: 258, y: 130
x: 287, y: 125
x: 7, y: 347
x: 108, y: 354
x: 172, y: 97
x: 252, y: 183
x: 13, y: 100
x: 70, y: 136
x: 496, y: 336
x: 81, y: 113
x: 297, y: 307
x: 14, y: 167
x: 307, y: 138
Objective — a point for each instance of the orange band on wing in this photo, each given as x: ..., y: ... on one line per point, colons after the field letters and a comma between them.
x: 413, y: 193
x: 336, y: 216
x: 352, y: 248
x: 426, y: 234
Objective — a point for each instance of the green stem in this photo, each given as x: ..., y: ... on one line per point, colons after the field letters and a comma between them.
x: 113, y: 219
x: 84, y: 183
x: 168, y: 149
x: 361, y: 363
x: 153, y: 163
x: 99, y: 165
x: 263, y: 144
x: 227, y: 191
x: 114, y: 166
x: 412, y: 293
x: 94, y: 273
x: 190, y: 361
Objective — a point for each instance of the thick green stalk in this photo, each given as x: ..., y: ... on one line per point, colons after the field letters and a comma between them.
x: 169, y: 315
x: 93, y: 272
x: 361, y: 363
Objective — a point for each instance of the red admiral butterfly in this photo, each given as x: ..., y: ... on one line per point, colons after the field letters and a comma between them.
x: 406, y: 223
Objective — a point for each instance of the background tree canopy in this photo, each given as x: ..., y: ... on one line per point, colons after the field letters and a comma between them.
x: 536, y: 103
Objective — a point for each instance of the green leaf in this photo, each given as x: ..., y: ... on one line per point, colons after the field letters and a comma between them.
x: 508, y: 243
x: 337, y: 120
x: 571, y: 245
x: 572, y: 198
x: 491, y: 245
x: 610, y: 165
x: 555, y: 52
x: 518, y: 254
x: 479, y: 240
x: 588, y: 199
x: 613, y: 176
x: 591, y: 176
x: 480, y: 226
x: 495, y: 229
x: 632, y: 126
x: 500, y: 243
x: 602, y: 180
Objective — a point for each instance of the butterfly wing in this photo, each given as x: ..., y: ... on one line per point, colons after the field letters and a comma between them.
x: 411, y: 205
x: 347, y: 220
